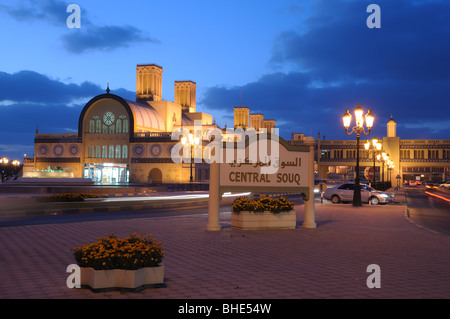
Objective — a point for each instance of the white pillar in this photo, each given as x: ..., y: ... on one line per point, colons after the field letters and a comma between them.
x: 310, y: 218
x: 214, y: 197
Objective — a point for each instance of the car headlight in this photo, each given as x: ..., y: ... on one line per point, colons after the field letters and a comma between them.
x: 384, y: 195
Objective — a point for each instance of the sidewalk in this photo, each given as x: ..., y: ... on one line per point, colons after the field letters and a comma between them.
x: 327, y: 262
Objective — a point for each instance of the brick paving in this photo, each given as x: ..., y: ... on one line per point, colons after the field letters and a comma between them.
x: 327, y: 262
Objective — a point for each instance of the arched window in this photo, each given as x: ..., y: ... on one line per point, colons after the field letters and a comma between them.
x: 98, y: 126
x: 92, y: 126
x: 112, y: 128
x: 118, y: 151
x: 119, y: 125
x: 104, y: 129
x: 97, y: 151
x: 125, y: 126
x: 125, y: 151
x: 104, y: 151
x: 111, y: 151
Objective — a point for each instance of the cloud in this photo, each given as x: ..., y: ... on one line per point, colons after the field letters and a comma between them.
x: 336, y: 62
x: 90, y: 37
x: 29, y: 87
x: 32, y: 87
x: 29, y: 100
x: 52, y: 11
x: 107, y: 38
x: 412, y: 43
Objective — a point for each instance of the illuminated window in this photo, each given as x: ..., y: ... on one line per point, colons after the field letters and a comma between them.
x: 125, y: 126
x: 125, y: 151
x: 92, y: 126
x: 104, y: 129
x: 118, y: 151
x: 119, y: 126
x: 98, y: 126
x: 104, y: 151
x: 97, y: 151
x: 91, y: 151
x: 111, y: 151
x: 111, y: 129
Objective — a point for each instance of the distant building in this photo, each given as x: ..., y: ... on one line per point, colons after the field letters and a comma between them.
x: 413, y: 159
x: 123, y: 141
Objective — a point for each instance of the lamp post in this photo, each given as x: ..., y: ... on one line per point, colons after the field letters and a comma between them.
x: 193, y: 141
x: 383, y: 158
x: 16, y: 164
x: 390, y: 167
x: 358, y: 129
x: 3, y: 162
x: 375, y: 147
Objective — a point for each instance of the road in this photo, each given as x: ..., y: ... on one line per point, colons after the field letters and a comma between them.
x: 428, y: 211
x: 201, y: 207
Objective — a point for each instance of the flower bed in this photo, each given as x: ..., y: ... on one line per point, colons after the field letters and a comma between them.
x: 69, y: 197
x: 264, y: 204
x: 118, y: 263
x: 265, y: 213
x: 111, y: 252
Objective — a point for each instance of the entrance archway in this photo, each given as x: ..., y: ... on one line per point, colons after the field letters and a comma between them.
x: 155, y: 176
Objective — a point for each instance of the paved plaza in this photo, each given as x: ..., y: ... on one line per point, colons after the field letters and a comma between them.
x: 327, y: 262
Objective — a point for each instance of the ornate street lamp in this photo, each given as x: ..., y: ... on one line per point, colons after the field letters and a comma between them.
x: 375, y: 148
x: 390, y: 167
x: 193, y: 141
x: 383, y: 158
x: 358, y: 129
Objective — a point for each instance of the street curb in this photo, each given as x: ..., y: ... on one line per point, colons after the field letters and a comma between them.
x: 408, y: 218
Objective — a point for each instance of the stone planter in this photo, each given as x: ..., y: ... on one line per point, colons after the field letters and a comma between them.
x: 120, y: 279
x: 263, y: 220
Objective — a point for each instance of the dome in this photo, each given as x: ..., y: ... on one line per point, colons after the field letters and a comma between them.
x: 146, y: 117
x: 143, y: 117
x: 391, y: 120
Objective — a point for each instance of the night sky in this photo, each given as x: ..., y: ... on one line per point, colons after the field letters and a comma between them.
x: 302, y: 63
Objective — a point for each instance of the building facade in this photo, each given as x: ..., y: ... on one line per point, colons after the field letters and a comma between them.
x: 123, y: 141
x: 412, y: 159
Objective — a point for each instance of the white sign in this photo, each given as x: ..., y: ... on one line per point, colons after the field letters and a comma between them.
x: 289, y: 169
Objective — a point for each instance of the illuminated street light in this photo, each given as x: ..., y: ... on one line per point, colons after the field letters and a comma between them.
x: 390, y: 167
x: 193, y: 141
x: 383, y: 158
x: 358, y: 129
x: 3, y: 162
x: 375, y: 148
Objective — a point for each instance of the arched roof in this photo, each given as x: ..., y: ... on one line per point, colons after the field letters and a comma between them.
x: 146, y: 116
x: 142, y: 115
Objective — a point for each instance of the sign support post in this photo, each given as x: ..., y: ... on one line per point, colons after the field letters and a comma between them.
x: 294, y: 172
x: 310, y: 218
x: 214, y: 197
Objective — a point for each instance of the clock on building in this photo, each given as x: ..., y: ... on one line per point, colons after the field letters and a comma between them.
x: 108, y: 118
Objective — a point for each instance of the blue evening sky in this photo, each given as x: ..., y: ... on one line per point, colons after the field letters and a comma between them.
x: 302, y: 63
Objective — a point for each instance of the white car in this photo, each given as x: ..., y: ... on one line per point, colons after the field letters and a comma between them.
x: 344, y: 193
x: 445, y: 185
